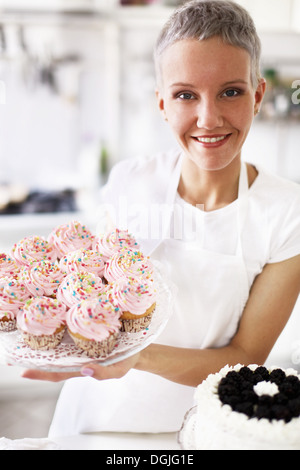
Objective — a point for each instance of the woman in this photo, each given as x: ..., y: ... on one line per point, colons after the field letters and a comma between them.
x: 238, y: 274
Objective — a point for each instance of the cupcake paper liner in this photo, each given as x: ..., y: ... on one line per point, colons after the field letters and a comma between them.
x: 8, y: 325
x: 137, y: 324
x: 95, y: 348
x: 43, y: 342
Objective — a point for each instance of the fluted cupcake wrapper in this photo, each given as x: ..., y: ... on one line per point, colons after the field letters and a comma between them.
x: 43, y: 342
x: 96, y: 348
x: 137, y: 324
x: 8, y: 325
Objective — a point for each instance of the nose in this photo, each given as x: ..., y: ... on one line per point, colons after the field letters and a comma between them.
x: 209, y: 115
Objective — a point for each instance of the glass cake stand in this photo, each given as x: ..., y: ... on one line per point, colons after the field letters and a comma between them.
x: 68, y: 358
x: 186, y: 435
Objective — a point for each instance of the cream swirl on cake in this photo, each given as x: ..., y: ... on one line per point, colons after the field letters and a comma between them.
x: 114, y: 241
x: 133, y: 295
x: 128, y: 263
x: 41, y: 316
x: 8, y: 266
x: 71, y: 236
x: 93, y: 319
x: 94, y: 326
x: 42, y: 322
x: 43, y: 279
x: 80, y: 286
x: 13, y: 294
x: 30, y: 250
x: 83, y: 260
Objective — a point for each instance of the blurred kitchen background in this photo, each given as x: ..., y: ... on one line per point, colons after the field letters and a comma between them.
x: 76, y: 96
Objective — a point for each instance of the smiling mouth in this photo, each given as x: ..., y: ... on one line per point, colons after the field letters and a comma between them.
x: 212, y: 139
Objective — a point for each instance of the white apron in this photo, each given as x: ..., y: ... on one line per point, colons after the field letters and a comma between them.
x: 213, y: 290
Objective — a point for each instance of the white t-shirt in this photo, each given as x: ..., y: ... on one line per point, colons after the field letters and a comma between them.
x: 272, y: 227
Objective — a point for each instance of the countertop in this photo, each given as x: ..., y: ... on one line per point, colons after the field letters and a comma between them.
x: 119, y: 441
x: 110, y: 443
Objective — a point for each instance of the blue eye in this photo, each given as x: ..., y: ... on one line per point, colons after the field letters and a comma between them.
x: 231, y: 93
x: 186, y: 96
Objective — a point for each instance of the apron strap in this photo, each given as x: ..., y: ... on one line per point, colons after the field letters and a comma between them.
x: 242, y: 205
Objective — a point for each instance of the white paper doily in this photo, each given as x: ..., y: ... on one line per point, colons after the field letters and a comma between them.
x: 67, y: 357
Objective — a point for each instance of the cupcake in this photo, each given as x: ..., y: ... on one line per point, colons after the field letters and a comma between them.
x: 136, y: 300
x: 8, y: 266
x: 13, y: 295
x: 7, y: 318
x: 42, y: 322
x: 114, y: 241
x: 70, y: 237
x: 94, y: 326
x: 83, y: 260
x: 32, y: 250
x: 43, y: 278
x: 79, y: 286
x: 128, y: 263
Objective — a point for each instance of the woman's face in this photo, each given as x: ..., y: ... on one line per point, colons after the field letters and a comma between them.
x: 207, y: 98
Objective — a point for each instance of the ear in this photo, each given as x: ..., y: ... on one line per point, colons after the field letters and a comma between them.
x: 161, y: 103
x: 259, y: 94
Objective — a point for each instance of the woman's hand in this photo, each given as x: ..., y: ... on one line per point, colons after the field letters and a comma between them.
x: 93, y: 369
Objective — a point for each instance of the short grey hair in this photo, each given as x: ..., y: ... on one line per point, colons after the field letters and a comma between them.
x: 204, y: 19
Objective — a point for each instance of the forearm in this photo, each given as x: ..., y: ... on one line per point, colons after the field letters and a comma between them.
x: 188, y: 366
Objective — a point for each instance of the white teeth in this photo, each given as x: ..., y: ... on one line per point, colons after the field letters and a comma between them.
x: 210, y: 140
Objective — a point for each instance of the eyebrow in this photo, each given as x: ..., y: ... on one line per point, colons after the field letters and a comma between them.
x: 238, y: 80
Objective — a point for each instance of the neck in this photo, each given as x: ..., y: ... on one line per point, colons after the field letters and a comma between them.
x: 210, y: 189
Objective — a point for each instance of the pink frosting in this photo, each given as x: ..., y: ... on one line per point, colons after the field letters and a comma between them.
x: 94, y: 320
x: 133, y: 295
x: 31, y: 250
x: 13, y: 295
x: 83, y: 260
x: 7, y: 310
x: 41, y: 316
x: 128, y: 263
x: 79, y: 286
x: 114, y: 241
x: 42, y: 278
x: 8, y: 266
x: 70, y: 237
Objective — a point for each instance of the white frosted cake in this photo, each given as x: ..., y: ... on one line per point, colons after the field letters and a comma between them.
x: 246, y: 408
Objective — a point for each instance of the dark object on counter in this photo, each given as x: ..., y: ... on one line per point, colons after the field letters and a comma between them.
x: 43, y: 202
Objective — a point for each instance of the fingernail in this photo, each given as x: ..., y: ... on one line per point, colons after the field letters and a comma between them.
x: 86, y: 371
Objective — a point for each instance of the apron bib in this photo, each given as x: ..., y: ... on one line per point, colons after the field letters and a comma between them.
x: 213, y: 290
x: 213, y: 286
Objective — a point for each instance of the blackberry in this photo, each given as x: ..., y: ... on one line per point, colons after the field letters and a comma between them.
x: 294, y: 406
x: 281, y: 412
x: 246, y: 373
x: 277, y: 376
x: 236, y: 390
x: 266, y: 400
x: 262, y: 372
x: 245, y: 407
x: 263, y: 411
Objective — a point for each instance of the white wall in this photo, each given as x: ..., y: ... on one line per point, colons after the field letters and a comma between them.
x: 107, y: 96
